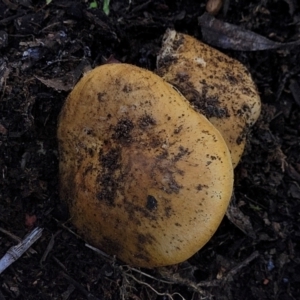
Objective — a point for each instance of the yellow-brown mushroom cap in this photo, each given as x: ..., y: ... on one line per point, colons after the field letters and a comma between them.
x: 216, y: 85
x: 146, y: 178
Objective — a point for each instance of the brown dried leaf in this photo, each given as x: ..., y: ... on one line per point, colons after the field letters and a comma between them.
x: 235, y: 216
x: 59, y: 84
x: 228, y: 36
x: 67, y: 82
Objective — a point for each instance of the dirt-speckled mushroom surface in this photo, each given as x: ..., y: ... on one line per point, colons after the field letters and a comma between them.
x: 216, y: 85
x: 146, y: 177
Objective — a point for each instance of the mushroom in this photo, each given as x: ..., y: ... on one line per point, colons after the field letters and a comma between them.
x: 216, y: 85
x: 145, y: 177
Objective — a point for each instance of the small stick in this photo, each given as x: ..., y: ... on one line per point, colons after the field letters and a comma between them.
x: 68, y: 229
x: 241, y: 265
x: 17, y: 251
x: 98, y: 251
x: 11, y: 235
x: 15, y: 238
x: 49, y: 247
x: 60, y: 263
x: 231, y: 273
x: 87, y: 294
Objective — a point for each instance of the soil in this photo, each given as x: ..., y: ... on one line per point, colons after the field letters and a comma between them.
x: 255, y: 254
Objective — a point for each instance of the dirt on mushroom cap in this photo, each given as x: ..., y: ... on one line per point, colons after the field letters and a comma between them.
x: 216, y: 85
x: 146, y: 178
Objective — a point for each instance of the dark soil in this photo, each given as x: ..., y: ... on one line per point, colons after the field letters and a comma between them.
x: 44, y: 49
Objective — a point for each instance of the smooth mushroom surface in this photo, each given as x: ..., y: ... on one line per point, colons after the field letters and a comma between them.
x: 145, y: 176
x: 216, y: 85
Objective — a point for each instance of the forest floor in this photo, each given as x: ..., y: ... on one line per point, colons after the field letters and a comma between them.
x: 44, y: 49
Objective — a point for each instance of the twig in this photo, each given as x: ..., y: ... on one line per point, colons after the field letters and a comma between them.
x: 11, y: 18
x: 11, y: 235
x: 87, y: 294
x: 176, y: 279
x: 230, y: 274
x: 66, y: 294
x: 17, y: 251
x: 140, y: 7
x: 67, y: 228
x: 49, y: 247
x: 60, y: 263
x: 241, y: 265
x: 100, y: 252
x: 16, y: 238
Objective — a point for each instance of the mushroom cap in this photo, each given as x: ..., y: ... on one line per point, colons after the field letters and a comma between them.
x: 145, y: 177
x: 216, y: 85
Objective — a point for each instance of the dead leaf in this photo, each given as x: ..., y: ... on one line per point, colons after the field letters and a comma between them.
x: 228, y: 36
x: 67, y: 82
x: 235, y: 216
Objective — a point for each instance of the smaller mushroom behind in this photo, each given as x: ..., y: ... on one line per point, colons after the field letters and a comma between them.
x: 216, y: 85
x: 145, y: 177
